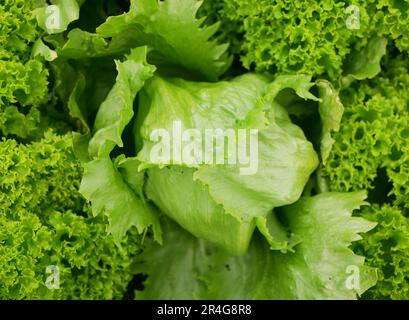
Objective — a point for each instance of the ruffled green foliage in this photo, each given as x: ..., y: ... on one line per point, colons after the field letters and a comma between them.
x: 143, y: 64
x: 387, y: 249
x: 288, y: 36
x: 305, y: 36
x: 45, y: 221
x: 374, y: 135
x: 316, y: 269
x: 389, y: 18
x: 23, y: 79
x: 372, y: 152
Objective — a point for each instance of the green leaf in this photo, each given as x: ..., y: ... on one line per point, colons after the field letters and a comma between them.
x: 73, y: 103
x: 56, y: 17
x: 170, y: 27
x: 105, y: 188
x: 83, y: 44
x: 128, y: 167
x: 117, y: 109
x: 42, y: 50
x: 200, y: 105
x: 301, y: 84
x: 279, y: 167
x: 285, y: 162
x: 187, y: 201
x: 330, y: 110
x: 319, y: 268
x: 365, y: 63
x: 181, y: 253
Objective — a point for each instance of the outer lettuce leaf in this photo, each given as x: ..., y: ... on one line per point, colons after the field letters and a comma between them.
x: 56, y: 17
x: 330, y: 110
x: 318, y: 268
x: 103, y: 184
x: 42, y: 50
x: 285, y: 158
x: 173, y: 270
x: 169, y: 27
x: 117, y: 109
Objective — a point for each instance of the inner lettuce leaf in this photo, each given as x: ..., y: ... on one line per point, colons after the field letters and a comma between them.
x: 321, y: 267
x: 200, y: 105
x: 170, y: 28
x: 285, y: 162
x: 188, y: 202
x: 285, y: 159
x: 103, y: 184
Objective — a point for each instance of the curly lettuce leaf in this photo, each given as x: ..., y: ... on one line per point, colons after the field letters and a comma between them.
x: 319, y: 268
x: 45, y: 221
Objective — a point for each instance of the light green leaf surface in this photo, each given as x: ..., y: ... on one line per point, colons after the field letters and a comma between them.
x: 330, y: 110
x: 117, y: 109
x: 55, y: 18
x: 319, y: 268
x: 104, y: 186
x: 365, y: 63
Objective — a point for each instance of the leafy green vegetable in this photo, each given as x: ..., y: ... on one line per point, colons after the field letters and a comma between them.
x: 371, y: 152
x: 284, y: 158
x: 365, y: 64
x: 102, y: 184
x: 170, y: 28
x: 331, y: 110
x: 23, y: 78
x: 56, y: 17
x: 45, y: 221
x: 212, y: 181
x: 386, y: 247
x: 317, y: 269
x: 291, y: 37
x: 112, y: 117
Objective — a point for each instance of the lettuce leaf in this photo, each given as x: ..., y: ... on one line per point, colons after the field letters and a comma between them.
x: 102, y: 183
x: 331, y: 111
x: 117, y: 109
x: 170, y: 28
x: 104, y: 186
x: 319, y: 268
x: 284, y: 157
x: 55, y: 18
